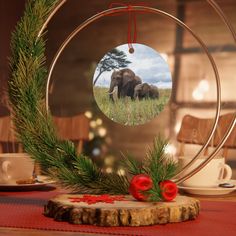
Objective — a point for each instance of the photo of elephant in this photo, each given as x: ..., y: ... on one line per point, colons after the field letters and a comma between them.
x: 132, y: 89
x: 146, y: 91
x: 126, y: 81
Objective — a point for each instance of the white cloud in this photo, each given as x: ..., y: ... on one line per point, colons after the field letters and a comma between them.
x: 163, y: 85
x: 146, y: 63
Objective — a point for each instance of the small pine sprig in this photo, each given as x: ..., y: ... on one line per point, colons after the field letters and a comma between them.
x: 133, y: 166
x: 157, y: 164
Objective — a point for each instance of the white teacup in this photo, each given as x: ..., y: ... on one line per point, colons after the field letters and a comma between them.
x: 15, y: 166
x: 214, y: 173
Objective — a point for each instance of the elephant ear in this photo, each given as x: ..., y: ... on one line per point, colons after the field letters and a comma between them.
x: 138, y: 80
x: 114, y: 73
x: 146, y: 87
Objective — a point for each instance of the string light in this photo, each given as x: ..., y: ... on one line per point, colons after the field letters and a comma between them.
x: 200, y: 90
x: 99, y: 121
x: 96, y: 152
x: 177, y: 127
x: 88, y: 114
x: 102, y: 132
x: 198, y: 95
x: 109, y: 161
x: 170, y: 149
x: 203, y: 86
x: 93, y: 124
x: 109, y: 170
x: 91, y: 136
x: 121, y: 172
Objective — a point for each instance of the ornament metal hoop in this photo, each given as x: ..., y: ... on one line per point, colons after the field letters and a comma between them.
x: 153, y: 10
x: 159, y: 12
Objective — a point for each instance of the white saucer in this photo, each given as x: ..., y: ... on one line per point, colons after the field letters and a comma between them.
x: 208, y: 190
x: 43, y: 181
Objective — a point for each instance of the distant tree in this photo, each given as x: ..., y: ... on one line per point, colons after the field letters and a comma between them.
x: 115, y: 59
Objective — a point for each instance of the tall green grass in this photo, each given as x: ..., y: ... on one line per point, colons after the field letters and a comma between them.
x: 130, y: 112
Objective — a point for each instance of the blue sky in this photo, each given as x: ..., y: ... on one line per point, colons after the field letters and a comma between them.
x: 146, y: 63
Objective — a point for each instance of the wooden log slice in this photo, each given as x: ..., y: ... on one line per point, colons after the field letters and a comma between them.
x: 128, y: 212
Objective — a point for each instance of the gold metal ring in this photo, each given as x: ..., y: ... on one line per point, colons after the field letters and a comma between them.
x: 151, y: 10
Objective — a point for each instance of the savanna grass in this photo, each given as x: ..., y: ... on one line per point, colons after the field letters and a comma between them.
x: 130, y: 112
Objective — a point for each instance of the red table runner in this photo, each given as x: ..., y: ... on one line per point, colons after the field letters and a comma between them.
x: 24, y: 210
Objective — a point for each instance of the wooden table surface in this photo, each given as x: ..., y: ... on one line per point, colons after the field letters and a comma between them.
x: 26, y: 232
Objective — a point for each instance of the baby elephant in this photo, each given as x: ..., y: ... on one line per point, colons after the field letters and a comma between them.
x: 146, y: 91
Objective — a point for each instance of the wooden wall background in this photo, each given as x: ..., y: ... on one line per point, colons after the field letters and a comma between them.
x: 72, y: 85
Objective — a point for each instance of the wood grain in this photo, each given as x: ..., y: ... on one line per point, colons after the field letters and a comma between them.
x: 122, y: 213
x: 74, y: 128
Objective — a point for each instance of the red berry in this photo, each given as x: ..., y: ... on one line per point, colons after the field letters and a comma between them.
x: 138, y: 185
x: 169, y: 190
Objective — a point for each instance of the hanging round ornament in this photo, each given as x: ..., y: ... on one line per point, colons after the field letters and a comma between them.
x: 132, y: 88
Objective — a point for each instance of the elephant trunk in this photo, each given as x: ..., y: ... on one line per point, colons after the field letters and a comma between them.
x: 111, y: 91
x: 135, y: 93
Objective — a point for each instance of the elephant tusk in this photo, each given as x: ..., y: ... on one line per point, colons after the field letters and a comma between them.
x: 110, y: 93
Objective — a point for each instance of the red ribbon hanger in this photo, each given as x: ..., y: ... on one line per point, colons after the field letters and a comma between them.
x: 131, y: 22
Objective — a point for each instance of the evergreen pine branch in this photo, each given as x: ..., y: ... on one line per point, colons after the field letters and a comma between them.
x: 34, y: 123
x: 115, y: 184
x: 170, y: 168
x: 156, y: 164
x: 159, y: 166
x: 154, y: 194
x: 132, y: 165
x: 35, y: 127
x: 87, y: 169
x: 154, y: 160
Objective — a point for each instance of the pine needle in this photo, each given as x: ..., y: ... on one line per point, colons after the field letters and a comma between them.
x: 34, y: 124
x: 156, y: 164
x: 132, y: 165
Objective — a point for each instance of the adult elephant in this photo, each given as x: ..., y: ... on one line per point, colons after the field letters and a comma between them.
x: 145, y: 90
x: 125, y: 80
